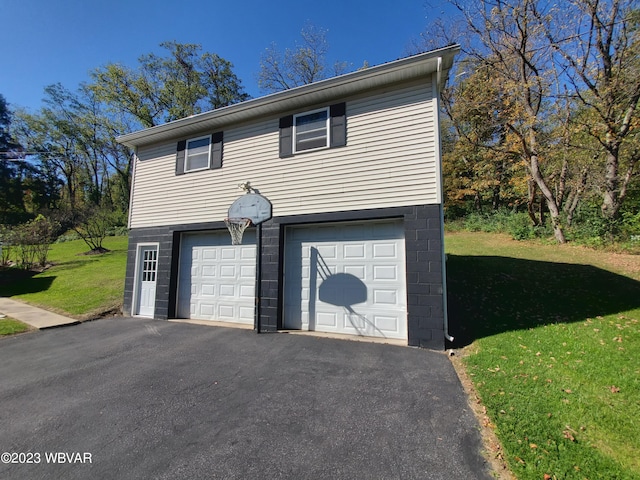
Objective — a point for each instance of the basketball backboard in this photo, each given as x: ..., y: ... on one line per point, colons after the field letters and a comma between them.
x: 252, y: 206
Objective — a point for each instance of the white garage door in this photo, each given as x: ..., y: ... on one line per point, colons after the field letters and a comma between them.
x: 217, y: 279
x: 346, y: 278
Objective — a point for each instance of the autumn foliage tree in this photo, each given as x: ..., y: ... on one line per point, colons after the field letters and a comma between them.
x: 544, y: 105
x: 505, y: 41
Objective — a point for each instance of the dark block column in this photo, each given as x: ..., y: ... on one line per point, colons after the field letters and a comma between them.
x: 425, y: 303
x: 269, y: 289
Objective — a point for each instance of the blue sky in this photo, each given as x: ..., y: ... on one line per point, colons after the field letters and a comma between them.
x: 51, y: 41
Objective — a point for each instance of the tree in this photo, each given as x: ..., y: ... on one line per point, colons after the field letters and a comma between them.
x: 304, y: 64
x: 11, y: 202
x: 505, y: 38
x: 52, y: 136
x: 73, y: 140
x: 599, y: 49
x: 166, y: 88
x: 477, y: 165
x: 93, y: 224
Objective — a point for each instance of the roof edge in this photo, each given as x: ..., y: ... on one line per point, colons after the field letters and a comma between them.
x: 434, y: 61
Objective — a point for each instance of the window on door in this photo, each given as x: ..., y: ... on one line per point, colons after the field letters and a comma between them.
x: 149, y: 265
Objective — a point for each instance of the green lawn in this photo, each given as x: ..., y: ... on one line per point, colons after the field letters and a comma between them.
x: 551, y: 339
x: 10, y: 326
x: 82, y: 286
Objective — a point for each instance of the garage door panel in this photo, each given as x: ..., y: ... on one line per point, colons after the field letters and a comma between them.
x: 346, y: 278
x: 327, y: 319
x: 209, y: 254
x: 228, y: 271
x: 248, y: 271
x: 207, y: 309
x: 226, y: 312
x: 247, y: 291
x: 216, y: 279
x: 227, y: 290
x: 228, y: 253
x: 208, y: 271
x: 385, y: 250
x: 246, y: 313
x: 385, y: 272
x: 385, y: 297
x: 327, y: 251
x: 386, y: 324
x: 358, y: 271
x: 354, y: 251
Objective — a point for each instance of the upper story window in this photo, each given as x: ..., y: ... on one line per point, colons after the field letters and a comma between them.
x: 311, y: 130
x: 198, y: 153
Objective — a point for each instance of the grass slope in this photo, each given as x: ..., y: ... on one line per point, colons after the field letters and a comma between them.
x: 552, y: 342
x: 82, y: 286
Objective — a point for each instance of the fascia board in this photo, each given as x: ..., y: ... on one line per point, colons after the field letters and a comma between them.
x: 396, y: 72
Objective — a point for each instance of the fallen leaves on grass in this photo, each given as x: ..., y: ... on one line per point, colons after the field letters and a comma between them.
x: 568, y: 433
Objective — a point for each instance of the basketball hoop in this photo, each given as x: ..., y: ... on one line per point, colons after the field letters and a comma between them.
x: 236, y: 227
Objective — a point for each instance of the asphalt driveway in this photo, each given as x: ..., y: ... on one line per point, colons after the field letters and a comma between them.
x: 128, y: 398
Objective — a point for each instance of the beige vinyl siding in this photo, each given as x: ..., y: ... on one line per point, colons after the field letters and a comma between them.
x: 390, y: 160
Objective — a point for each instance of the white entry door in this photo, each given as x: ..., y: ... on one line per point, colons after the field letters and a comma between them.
x: 346, y: 278
x: 147, y: 272
x: 217, y: 279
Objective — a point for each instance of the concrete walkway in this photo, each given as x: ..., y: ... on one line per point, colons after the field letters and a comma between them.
x: 34, y: 316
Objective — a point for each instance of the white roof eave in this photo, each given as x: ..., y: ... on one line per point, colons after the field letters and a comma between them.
x: 399, y: 71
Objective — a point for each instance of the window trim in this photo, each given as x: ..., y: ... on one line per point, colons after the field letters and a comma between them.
x: 327, y: 129
x: 337, y: 137
x: 186, y: 154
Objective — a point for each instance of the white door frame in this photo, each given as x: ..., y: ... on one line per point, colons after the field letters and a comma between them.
x: 137, y: 280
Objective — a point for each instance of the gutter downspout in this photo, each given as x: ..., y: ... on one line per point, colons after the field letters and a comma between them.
x: 444, y: 279
x: 134, y: 162
x: 447, y: 336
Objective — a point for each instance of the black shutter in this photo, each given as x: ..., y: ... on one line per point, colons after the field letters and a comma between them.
x: 182, y: 145
x: 216, y: 151
x: 338, y: 124
x: 286, y: 136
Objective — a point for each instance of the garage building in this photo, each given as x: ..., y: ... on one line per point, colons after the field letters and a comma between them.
x: 353, y: 240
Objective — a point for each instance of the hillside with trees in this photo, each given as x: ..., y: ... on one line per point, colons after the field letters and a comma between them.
x: 542, y: 115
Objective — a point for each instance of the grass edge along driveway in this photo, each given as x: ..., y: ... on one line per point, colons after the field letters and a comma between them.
x: 11, y: 326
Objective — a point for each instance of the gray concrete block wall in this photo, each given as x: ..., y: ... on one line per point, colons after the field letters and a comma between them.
x: 164, y: 238
x: 425, y: 302
x: 270, y: 293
